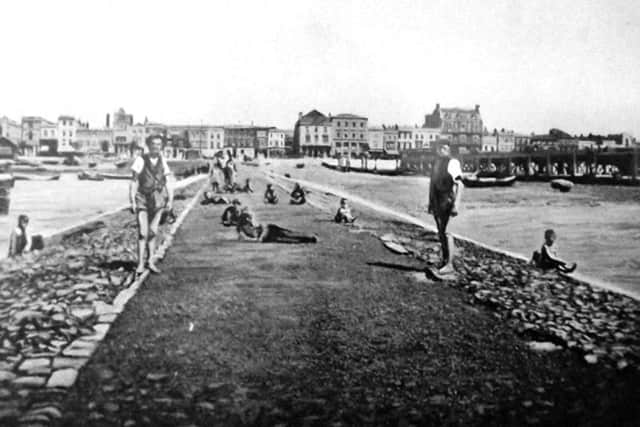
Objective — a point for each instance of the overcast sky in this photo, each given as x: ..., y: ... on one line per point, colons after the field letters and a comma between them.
x: 531, y: 65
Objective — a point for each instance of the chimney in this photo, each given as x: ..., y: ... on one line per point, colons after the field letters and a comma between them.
x: 299, y: 115
x: 477, y: 108
x: 437, y: 107
x: 107, y: 120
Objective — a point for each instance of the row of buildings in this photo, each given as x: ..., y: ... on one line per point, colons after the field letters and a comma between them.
x: 318, y: 135
x: 120, y: 135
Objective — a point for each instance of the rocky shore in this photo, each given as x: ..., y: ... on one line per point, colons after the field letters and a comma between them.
x: 55, y: 307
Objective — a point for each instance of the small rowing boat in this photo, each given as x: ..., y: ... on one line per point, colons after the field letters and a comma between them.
x: 86, y: 176
x: 114, y: 176
x: 475, y: 181
x: 563, y: 185
x: 29, y: 177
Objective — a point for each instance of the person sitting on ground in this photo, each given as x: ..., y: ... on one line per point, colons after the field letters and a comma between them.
x: 548, y: 258
x: 298, y: 196
x: 210, y: 198
x: 231, y: 215
x: 19, y: 240
x: 270, y: 195
x: 247, y: 186
x: 344, y: 213
x: 269, y: 233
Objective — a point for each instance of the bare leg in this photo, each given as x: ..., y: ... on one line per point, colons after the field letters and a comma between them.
x: 153, y: 236
x: 446, y: 241
x: 143, y: 235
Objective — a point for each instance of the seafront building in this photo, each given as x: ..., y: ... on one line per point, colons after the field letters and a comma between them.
x: 276, y: 143
x: 312, y: 135
x: 462, y: 127
x: 11, y: 130
x: 349, y: 134
x: 499, y: 141
x: 375, y: 137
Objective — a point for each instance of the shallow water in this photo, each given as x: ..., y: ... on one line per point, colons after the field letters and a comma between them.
x: 54, y: 205
x: 597, y: 226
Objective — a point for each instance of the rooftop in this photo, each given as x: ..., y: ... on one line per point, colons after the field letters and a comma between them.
x: 348, y: 116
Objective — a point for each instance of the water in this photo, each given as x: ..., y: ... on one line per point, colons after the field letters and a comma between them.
x: 597, y: 226
x: 53, y: 205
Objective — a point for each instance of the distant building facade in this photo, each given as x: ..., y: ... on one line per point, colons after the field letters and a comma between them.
x: 94, y: 141
x: 31, y: 128
x: 375, y: 138
x: 390, y: 139
x: 11, y: 130
x: 312, y: 135
x: 349, y: 134
x: 521, y: 142
x: 275, y: 143
x: 425, y: 137
x: 405, y: 138
x: 67, y: 128
x: 463, y: 127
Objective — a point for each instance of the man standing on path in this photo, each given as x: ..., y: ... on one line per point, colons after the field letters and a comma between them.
x: 445, y: 190
x: 150, y: 196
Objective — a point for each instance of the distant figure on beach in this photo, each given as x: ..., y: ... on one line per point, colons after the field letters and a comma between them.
x: 231, y: 215
x: 229, y: 171
x: 344, y: 213
x: 211, y: 198
x: 19, y: 240
x: 270, y: 233
x: 247, y: 186
x: 270, y: 195
x: 548, y: 257
x: 298, y: 195
x: 445, y: 191
x: 150, y: 196
x: 215, y: 187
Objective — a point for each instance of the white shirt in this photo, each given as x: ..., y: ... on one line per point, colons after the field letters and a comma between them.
x: 454, y: 169
x: 138, y: 165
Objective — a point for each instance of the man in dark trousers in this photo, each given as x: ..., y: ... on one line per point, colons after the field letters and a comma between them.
x: 445, y: 190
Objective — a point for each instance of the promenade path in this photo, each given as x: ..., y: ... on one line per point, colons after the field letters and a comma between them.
x: 244, y: 333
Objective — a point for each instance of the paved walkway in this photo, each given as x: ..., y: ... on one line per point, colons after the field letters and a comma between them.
x: 244, y: 333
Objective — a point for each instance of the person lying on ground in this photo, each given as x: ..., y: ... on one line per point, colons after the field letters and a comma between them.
x: 209, y: 198
x: 548, y: 258
x: 248, y: 229
x: 270, y: 195
x: 344, y: 213
x: 231, y: 215
x: 19, y: 240
x: 298, y: 195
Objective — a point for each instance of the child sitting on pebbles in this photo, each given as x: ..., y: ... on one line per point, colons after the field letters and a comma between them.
x: 270, y: 195
x: 344, y: 213
x: 548, y: 257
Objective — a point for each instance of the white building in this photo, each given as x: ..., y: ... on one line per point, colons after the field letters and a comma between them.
x: 215, y: 138
x: 423, y: 138
x: 275, y: 142
x: 376, y: 139
x: 66, y: 132
x: 405, y: 138
x: 490, y: 143
x: 11, y: 130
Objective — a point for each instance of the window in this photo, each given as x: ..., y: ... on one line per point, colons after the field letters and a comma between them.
x: 307, y: 138
x: 354, y: 124
x: 338, y: 123
x: 353, y: 135
x: 316, y: 129
x: 361, y: 136
x: 362, y: 124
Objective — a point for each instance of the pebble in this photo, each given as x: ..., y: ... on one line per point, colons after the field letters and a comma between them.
x: 7, y: 376
x: 64, y: 378
x: 30, y: 381
x: 34, y: 364
x: 69, y: 362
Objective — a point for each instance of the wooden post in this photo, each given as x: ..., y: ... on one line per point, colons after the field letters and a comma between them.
x: 574, y: 161
x: 548, y: 163
x: 634, y: 164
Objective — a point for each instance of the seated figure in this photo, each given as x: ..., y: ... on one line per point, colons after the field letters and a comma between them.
x: 548, y: 258
x: 270, y: 195
x: 231, y: 215
x: 298, y: 195
x: 344, y: 214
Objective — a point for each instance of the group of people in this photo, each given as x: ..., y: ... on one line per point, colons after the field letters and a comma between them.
x: 445, y: 193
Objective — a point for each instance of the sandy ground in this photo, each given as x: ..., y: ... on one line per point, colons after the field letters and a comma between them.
x: 342, y: 332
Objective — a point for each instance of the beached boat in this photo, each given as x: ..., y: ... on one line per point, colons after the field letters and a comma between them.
x: 114, y: 176
x: 563, y: 185
x: 300, y: 165
x: 51, y: 162
x: 475, y: 181
x: 86, y: 176
x: 35, y: 177
x: 121, y: 164
x: 93, y: 164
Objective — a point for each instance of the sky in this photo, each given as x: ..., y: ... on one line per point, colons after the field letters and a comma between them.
x: 530, y: 65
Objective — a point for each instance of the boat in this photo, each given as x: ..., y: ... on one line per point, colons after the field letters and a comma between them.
x: 51, y: 162
x: 121, y: 164
x: 86, y: 176
x: 93, y: 164
x: 114, y: 176
x: 300, y: 165
x: 34, y: 177
x: 563, y: 185
x: 475, y: 181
